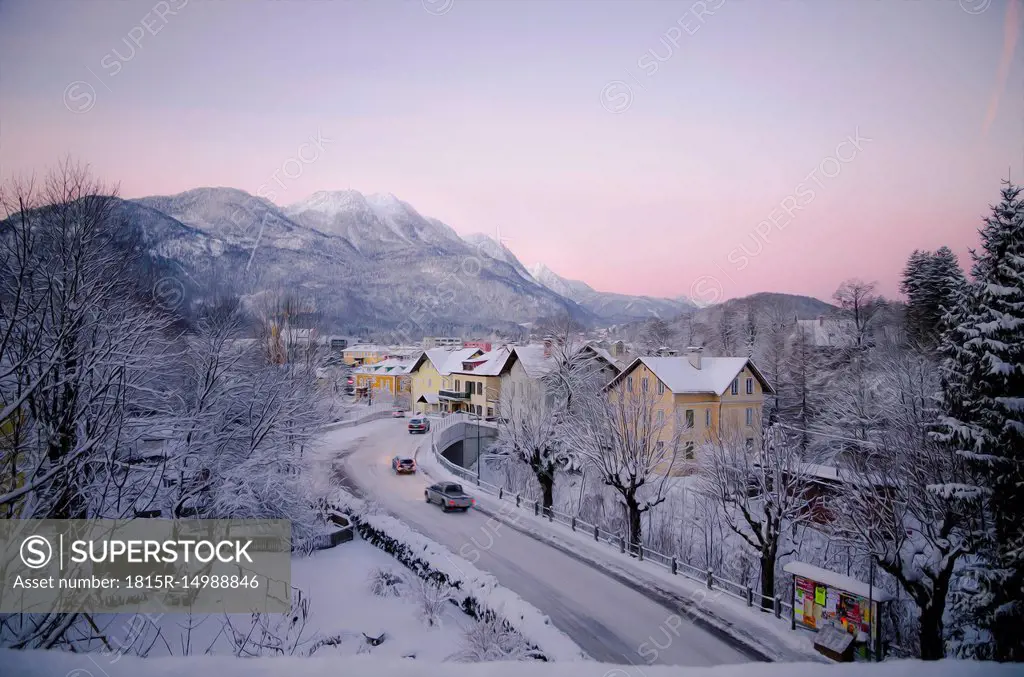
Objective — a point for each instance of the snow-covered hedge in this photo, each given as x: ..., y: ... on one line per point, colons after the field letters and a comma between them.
x: 477, y: 593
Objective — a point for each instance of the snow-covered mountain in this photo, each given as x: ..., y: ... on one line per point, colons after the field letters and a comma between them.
x: 496, y: 250
x: 373, y: 224
x: 369, y: 261
x: 611, y: 307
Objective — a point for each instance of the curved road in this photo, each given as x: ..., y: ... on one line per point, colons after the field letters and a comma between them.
x: 607, y: 619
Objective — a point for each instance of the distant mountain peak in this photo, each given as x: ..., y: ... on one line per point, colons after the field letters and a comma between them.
x: 618, y: 307
x: 329, y: 202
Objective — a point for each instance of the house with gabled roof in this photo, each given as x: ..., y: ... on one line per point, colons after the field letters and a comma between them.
x: 706, y: 398
x: 428, y: 372
x: 534, y: 361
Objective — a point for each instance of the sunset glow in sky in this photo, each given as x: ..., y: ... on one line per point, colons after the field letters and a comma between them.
x: 643, y: 147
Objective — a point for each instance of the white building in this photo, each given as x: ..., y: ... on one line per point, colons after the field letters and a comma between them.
x: 430, y: 342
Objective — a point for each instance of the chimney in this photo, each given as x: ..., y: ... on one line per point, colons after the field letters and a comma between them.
x: 694, y: 354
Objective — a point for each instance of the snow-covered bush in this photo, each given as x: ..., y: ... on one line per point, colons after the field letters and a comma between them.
x: 385, y: 582
x: 492, y: 640
x: 432, y: 597
x: 273, y: 634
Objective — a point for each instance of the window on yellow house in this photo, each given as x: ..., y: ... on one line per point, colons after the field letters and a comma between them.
x: 629, y: 383
x: 643, y: 384
x: 707, y: 418
x: 660, y: 418
x: 688, y: 451
x: 735, y: 386
x: 689, y: 418
x: 661, y: 388
x: 750, y: 416
x: 750, y: 386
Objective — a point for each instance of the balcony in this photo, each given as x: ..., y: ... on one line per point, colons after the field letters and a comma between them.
x: 453, y: 395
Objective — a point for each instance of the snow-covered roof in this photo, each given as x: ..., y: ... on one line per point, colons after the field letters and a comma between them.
x: 365, y: 348
x: 536, y: 364
x: 837, y: 580
x: 446, y: 360
x: 606, y: 356
x: 429, y: 398
x: 491, y: 364
x: 715, y: 375
x: 388, y: 366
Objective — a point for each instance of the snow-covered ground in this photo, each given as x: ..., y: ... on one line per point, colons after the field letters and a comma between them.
x: 611, y: 621
x: 341, y: 609
x: 64, y: 664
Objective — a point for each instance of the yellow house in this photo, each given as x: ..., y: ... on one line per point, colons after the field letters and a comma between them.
x: 390, y: 377
x: 476, y: 385
x: 707, y: 398
x: 428, y: 374
x: 366, y: 353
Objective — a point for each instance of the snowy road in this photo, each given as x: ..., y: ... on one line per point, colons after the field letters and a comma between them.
x: 609, y: 620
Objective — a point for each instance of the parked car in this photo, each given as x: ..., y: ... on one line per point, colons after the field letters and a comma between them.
x: 403, y: 466
x: 397, y: 413
x: 449, y: 496
x: 419, y: 424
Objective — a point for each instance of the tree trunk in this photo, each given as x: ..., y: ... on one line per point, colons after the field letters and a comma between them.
x: 932, y: 645
x: 547, y: 486
x: 635, y: 527
x: 767, y: 582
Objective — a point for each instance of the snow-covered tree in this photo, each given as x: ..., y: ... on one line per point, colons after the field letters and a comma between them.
x: 859, y: 303
x: 529, y: 433
x: 81, y: 365
x: 899, y: 503
x: 532, y: 423
x: 80, y: 350
x: 632, y: 442
x: 799, y: 391
x: 242, y: 425
x: 763, y: 495
x: 983, y: 407
x: 657, y: 333
x: 912, y: 286
x: 930, y: 283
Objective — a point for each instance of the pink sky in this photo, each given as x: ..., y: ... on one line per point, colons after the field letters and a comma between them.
x: 495, y: 115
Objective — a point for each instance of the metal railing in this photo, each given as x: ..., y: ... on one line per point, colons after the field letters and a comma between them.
x: 707, y: 577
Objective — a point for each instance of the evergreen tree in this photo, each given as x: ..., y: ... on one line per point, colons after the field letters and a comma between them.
x: 913, y: 288
x: 983, y: 406
x: 930, y: 283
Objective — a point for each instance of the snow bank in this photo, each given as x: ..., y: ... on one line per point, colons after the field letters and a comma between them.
x: 476, y: 592
x: 65, y: 664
